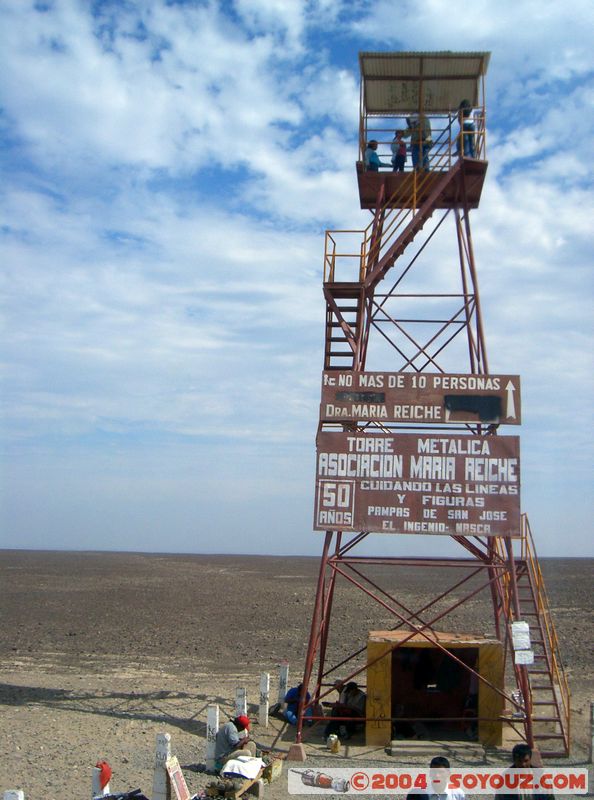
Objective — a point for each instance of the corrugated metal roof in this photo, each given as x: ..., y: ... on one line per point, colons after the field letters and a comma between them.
x: 433, y: 82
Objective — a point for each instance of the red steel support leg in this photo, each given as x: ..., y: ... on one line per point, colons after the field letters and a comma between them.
x: 327, y: 615
x: 495, y: 597
x: 316, y: 633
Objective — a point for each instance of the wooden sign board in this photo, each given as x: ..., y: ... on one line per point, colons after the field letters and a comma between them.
x: 412, y: 483
x: 426, y: 398
x: 177, y: 780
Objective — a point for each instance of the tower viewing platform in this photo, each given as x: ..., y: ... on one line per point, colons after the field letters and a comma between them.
x: 437, y: 102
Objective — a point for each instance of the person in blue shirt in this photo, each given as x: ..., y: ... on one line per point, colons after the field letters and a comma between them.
x: 292, y: 698
x: 371, y: 158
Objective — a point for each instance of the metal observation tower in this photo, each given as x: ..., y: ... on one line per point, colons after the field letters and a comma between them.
x: 413, y: 439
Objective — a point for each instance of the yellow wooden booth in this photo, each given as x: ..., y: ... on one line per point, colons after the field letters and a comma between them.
x: 417, y: 680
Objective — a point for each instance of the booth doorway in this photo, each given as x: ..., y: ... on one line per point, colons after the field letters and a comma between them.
x: 426, y: 682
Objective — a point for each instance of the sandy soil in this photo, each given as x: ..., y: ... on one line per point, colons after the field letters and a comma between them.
x: 100, y: 652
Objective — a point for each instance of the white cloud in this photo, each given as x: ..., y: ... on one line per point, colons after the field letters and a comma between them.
x: 284, y: 17
x: 170, y: 169
x: 209, y: 91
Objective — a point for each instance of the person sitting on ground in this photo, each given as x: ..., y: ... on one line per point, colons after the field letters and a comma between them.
x: 371, y: 158
x: 233, y: 740
x: 292, y: 698
x: 351, y: 703
x: 438, y: 780
x: 522, y: 759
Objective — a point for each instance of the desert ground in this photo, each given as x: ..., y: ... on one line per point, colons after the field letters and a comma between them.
x: 103, y: 651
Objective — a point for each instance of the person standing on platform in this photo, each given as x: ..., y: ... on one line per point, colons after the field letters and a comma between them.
x: 398, y: 147
x: 419, y: 133
x: 467, y: 129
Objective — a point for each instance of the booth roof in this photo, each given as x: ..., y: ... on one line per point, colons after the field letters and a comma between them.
x: 443, y: 638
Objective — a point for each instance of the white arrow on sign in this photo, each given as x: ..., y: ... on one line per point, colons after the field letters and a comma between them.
x: 511, y: 405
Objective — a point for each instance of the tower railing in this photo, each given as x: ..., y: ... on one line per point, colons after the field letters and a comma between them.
x: 543, y: 608
x: 350, y: 255
x: 447, y: 140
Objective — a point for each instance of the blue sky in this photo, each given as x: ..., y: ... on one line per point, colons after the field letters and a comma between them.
x: 168, y: 171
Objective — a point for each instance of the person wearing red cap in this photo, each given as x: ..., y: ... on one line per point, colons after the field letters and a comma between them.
x: 233, y: 739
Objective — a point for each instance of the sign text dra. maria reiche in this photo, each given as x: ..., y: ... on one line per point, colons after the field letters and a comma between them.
x: 411, y: 397
x: 414, y: 483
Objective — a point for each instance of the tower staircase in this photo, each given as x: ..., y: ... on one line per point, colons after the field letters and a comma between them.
x: 401, y: 225
x: 397, y: 221
x: 548, y: 702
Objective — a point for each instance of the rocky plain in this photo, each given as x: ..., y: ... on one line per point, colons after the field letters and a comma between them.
x: 100, y: 652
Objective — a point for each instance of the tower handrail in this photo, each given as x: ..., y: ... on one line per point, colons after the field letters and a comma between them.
x: 542, y: 607
x: 446, y: 147
x: 544, y: 612
x: 397, y: 212
x: 430, y: 190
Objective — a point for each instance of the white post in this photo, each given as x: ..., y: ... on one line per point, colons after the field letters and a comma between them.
x: 161, y: 788
x: 96, y: 790
x: 240, y: 701
x: 283, y: 680
x: 14, y: 794
x: 591, y: 733
x: 212, y: 726
x: 264, y: 699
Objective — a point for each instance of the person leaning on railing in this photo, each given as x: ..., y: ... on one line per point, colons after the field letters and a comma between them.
x: 371, y: 158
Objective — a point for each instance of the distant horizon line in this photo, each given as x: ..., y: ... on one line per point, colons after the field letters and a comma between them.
x: 231, y: 555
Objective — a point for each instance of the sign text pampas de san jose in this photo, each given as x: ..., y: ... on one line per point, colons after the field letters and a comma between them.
x: 412, y: 483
